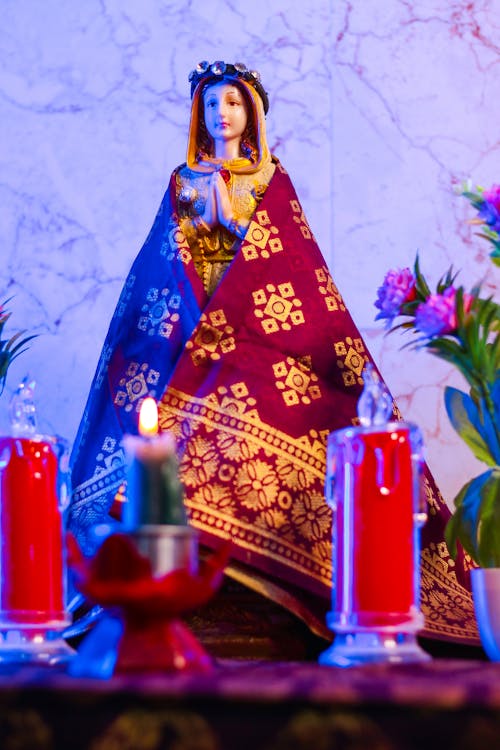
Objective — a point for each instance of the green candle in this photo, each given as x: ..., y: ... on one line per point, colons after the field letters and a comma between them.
x: 154, y: 492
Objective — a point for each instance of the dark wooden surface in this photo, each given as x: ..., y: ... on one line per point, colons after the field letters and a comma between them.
x: 447, y: 703
x: 265, y: 691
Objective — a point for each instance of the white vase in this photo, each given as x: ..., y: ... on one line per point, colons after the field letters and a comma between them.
x: 486, y: 595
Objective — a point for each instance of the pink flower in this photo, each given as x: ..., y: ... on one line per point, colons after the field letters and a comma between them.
x: 493, y: 196
x: 489, y: 209
x: 437, y: 315
x: 398, y: 288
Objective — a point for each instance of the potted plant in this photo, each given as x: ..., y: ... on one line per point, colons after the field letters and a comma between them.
x: 463, y: 328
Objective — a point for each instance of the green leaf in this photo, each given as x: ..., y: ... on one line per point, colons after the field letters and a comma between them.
x: 422, y: 287
x: 478, y: 433
x: 10, y: 348
x: 19, y: 344
x: 495, y: 255
x: 462, y: 526
x: 475, y: 522
x: 488, y: 548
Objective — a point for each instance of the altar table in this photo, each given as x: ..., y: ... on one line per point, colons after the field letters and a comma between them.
x: 446, y: 703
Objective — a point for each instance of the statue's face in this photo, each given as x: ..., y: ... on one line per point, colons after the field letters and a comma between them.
x: 225, y: 111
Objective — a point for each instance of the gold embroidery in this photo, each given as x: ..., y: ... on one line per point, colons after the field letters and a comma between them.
x: 216, y: 496
x: 278, y: 307
x: 264, y: 491
x: 354, y: 357
x: 201, y: 461
x: 212, y: 338
x: 326, y: 287
x: 312, y: 516
x: 102, y: 368
x: 256, y: 485
x: 126, y: 295
x: 433, y: 504
x: 259, y: 242
x: 175, y: 245
x: 107, y: 478
x: 251, y: 466
x: 263, y: 218
x: 291, y: 476
x: 135, y: 385
x: 212, y: 250
x: 301, y: 220
x: 158, y: 312
x: 445, y: 604
x: 296, y: 381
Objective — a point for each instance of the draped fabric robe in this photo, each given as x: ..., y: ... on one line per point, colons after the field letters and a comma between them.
x: 250, y: 381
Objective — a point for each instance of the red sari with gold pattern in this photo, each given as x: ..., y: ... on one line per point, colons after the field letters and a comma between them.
x: 250, y: 381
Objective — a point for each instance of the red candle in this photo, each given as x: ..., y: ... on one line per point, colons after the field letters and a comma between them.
x: 31, y: 556
x: 375, y: 553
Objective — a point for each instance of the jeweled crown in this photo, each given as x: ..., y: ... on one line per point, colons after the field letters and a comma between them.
x: 206, y: 71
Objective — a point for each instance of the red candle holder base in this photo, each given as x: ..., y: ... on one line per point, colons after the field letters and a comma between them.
x: 141, y: 628
x: 115, y: 646
x: 33, y: 646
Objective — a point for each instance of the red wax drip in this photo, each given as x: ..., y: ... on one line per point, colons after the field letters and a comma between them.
x: 381, y: 560
x: 31, y: 560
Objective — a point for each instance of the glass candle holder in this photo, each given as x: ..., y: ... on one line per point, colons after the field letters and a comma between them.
x: 33, y: 489
x: 374, y: 486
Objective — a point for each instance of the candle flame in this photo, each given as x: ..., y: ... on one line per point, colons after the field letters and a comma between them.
x: 148, y: 418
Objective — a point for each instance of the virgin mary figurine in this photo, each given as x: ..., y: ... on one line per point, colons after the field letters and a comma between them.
x: 230, y: 319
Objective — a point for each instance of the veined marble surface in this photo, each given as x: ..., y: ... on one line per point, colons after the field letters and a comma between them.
x: 377, y: 109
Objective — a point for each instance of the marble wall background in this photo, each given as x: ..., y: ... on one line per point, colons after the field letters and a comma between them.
x: 376, y: 110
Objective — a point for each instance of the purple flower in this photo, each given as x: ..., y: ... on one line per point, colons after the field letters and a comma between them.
x: 490, y: 215
x: 489, y: 212
x: 398, y: 288
x: 437, y: 316
x: 493, y: 196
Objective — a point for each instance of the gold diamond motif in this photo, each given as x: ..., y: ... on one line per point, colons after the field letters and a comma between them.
x: 270, y: 325
x: 257, y: 235
x: 277, y: 307
x: 354, y: 361
x: 218, y: 318
x: 326, y: 287
x: 290, y: 398
x: 136, y: 387
x: 263, y: 218
x: 354, y: 357
x: 208, y: 337
x: 296, y: 381
x: 211, y: 338
x: 275, y: 245
x: 257, y: 242
x: 280, y: 370
x: 249, y: 252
